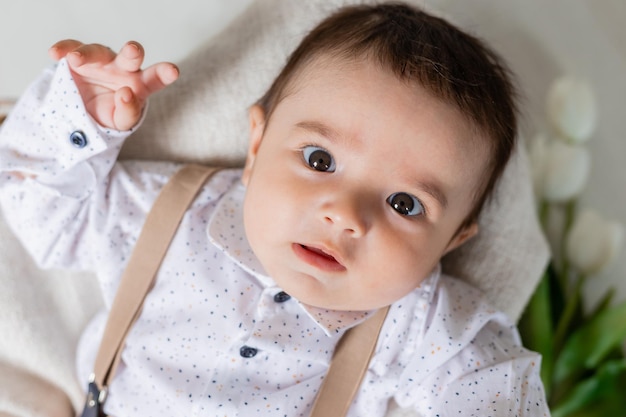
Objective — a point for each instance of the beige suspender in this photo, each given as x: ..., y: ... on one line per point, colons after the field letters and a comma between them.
x: 347, y: 369
x: 352, y: 354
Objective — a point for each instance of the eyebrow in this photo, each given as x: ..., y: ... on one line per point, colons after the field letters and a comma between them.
x: 435, y: 192
x: 318, y: 128
x: 321, y: 129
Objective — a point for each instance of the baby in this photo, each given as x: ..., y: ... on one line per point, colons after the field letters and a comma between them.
x: 370, y: 158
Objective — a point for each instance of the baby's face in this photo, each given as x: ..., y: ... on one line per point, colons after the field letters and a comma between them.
x: 357, y: 185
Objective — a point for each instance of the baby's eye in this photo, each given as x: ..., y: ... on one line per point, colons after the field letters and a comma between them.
x: 405, y: 204
x: 318, y: 158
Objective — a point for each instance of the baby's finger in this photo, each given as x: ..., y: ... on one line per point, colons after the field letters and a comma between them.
x: 62, y: 48
x: 127, y: 109
x: 90, y: 54
x: 130, y: 57
x: 158, y: 76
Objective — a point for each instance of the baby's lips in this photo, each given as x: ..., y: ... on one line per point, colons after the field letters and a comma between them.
x: 322, y: 253
x: 319, y: 257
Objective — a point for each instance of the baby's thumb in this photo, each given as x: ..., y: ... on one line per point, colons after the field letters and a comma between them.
x: 128, y: 109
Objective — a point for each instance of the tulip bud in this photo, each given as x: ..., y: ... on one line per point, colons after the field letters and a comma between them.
x: 593, y: 242
x: 571, y: 108
x: 565, y: 171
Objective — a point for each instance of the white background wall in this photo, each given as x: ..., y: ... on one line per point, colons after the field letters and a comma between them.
x: 542, y: 40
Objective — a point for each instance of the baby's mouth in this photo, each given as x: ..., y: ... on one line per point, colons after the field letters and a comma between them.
x: 318, y: 258
x: 320, y: 253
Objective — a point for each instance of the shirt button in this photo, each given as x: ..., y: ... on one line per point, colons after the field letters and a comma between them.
x: 248, y: 352
x: 78, y: 139
x: 281, y: 297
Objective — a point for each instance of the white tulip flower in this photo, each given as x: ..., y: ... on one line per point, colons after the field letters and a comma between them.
x: 560, y: 171
x: 593, y: 242
x: 572, y: 109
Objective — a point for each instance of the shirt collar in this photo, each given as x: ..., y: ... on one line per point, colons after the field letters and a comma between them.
x: 225, y: 230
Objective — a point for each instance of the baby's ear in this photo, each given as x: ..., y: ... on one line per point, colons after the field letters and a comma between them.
x: 462, y: 235
x: 257, y: 126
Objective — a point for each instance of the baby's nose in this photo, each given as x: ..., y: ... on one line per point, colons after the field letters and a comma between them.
x: 347, y: 213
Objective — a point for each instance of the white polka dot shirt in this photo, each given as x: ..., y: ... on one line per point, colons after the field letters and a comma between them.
x: 216, y: 336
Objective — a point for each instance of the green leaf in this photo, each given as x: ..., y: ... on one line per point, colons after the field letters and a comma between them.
x: 590, y: 344
x: 595, y: 390
x: 537, y: 330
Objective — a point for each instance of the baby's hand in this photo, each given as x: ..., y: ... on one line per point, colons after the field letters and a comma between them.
x: 113, y: 86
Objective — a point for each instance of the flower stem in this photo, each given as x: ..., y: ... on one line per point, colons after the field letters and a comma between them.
x: 570, y: 310
x: 570, y: 212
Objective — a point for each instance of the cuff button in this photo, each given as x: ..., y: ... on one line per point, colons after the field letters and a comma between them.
x: 248, y: 352
x: 78, y: 139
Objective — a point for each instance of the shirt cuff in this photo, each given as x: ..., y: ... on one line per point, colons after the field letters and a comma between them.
x: 69, y: 127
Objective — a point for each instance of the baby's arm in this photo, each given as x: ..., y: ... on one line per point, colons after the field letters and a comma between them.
x: 59, y: 181
x: 113, y: 86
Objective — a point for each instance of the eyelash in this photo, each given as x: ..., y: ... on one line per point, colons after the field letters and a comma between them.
x: 400, y: 207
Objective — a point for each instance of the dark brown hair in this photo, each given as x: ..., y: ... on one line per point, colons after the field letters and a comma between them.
x: 419, y: 48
